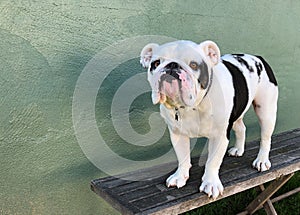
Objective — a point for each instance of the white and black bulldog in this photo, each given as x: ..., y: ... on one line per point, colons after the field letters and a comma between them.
x: 203, y: 94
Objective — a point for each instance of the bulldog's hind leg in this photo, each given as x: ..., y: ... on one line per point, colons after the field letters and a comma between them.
x: 265, y: 106
x: 240, y: 134
x: 181, y: 145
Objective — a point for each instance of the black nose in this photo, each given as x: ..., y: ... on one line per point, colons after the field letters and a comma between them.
x: 172, y: 66
x: 173, y: 69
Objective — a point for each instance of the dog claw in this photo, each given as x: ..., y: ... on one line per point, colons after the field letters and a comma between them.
x: 178, y: 179
x: 213, y: 189
x: 261, y: 164
x: 235, y: 152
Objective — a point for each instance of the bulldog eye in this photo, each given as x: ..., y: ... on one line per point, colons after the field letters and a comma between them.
x: 194, y: 65
x: 155, y: 64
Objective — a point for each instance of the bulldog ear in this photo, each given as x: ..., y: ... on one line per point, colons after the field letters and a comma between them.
x: 146, y: 54
x: 211, y: 51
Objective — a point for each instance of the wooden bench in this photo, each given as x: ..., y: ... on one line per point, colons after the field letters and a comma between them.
x: 237, y: 175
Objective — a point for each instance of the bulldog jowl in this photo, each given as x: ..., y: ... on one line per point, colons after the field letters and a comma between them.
x: 175, y: 87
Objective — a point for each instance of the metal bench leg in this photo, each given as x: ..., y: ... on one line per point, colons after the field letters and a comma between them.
x: 264, y: 196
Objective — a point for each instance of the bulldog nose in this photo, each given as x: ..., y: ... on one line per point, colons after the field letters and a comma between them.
x: 173, y: 69
x: 172, y: 66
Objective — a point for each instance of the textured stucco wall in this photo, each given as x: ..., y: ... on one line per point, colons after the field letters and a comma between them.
x: 44, y: 46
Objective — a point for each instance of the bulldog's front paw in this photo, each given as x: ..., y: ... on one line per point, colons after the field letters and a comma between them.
x: 261, y: 163
x: 235, y: 152
x: 179, y: 178
x: 212, y: 186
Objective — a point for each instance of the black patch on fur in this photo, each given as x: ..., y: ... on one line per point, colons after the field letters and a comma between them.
x: 259, y: 68
x: 243, y: 62
x: 203, y: 78
x: 241, y: 95
x: 269, y: 71
x: 153, y: 65
x: 239, y: 55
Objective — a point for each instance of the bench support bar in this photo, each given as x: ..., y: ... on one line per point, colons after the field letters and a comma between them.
x: 263, y: 199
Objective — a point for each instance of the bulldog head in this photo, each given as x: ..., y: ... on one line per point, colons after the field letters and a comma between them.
x: 179, y: 72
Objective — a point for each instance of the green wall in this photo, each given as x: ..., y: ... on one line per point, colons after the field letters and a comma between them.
x: 45, y: 45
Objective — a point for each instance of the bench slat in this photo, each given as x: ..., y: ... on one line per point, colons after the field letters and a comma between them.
x: 152, y: 196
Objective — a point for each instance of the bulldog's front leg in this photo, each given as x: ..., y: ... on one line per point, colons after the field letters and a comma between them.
x: 181, y: 145
x: 211, y: 183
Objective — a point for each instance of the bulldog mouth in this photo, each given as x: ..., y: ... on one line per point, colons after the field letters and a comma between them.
x: 172, y: 89
x: 169, y: 89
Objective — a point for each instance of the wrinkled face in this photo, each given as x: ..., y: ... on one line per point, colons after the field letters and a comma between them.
x: 177, y: 72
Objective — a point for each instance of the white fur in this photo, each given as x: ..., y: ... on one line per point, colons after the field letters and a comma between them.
x: 208, y: 116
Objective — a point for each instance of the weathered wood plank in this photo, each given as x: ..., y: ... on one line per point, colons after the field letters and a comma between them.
x: 152, y: 196
x: 114, y: 200
x: 198, y: 199
x: 195, y: 199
